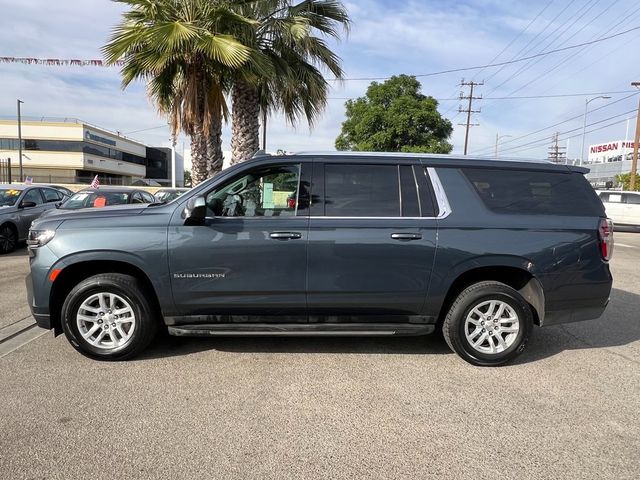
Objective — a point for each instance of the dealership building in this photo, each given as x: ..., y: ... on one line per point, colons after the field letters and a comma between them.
x: 606, y: 160
x: 73, y: 151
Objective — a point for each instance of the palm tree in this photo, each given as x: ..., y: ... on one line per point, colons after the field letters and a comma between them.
x: 285, y: 36
x: 184, y: 50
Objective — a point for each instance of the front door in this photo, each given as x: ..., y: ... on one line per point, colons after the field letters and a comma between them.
x: 249, y: 258
x: 29, y: 214
x: 370, y: 253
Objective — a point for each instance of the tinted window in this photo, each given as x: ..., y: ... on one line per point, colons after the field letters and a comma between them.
x: 361, y: 190
x: 51, y: 195
x: 260, y: 192
x: 631, y: 198
x: 33, y: 195
x: 532, y: 192
x: 409, y: 188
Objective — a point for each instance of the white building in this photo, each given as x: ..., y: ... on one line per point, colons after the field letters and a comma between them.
x: 73, y: 151
x: 607, y: 160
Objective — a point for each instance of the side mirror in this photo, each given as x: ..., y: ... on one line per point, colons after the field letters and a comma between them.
x: 195, y: 211
x: 26, y: 204
x: 58, y: 204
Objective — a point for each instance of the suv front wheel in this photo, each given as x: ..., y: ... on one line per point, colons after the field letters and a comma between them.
x: 488, y: 324
x: 108, y: 316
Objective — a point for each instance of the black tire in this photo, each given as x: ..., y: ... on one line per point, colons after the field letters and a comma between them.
x: 8, y: 238
x: 455, y: 324
x: 128, y: 288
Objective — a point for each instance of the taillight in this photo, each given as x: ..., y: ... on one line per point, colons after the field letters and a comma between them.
x: 605, y: 238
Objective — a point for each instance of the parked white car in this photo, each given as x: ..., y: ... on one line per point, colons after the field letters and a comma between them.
x: 622, y: 207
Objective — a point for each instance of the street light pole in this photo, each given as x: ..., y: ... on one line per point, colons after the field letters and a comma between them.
x: 634, y: 161
x: 584, y: 122
x: 20, y: 138
x: 498, y: 137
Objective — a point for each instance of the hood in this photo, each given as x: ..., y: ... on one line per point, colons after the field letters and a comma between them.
x: 114, y: 211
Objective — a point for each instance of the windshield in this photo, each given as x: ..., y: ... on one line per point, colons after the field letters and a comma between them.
x: 8, y: 197
x: 95, y: 199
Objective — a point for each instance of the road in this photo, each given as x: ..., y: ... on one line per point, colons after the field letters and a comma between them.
x: 329, y: 408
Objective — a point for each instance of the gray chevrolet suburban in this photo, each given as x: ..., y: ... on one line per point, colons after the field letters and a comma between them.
x: 333, y: 244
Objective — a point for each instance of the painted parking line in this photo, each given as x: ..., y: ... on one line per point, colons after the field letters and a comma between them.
x: 618, y: 244
x: 18, y: 334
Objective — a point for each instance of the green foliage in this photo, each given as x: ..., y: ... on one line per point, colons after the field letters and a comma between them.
x: 291, y: 39
x: 625, y: 180
x: 187, y: 178
x: 395, y: 117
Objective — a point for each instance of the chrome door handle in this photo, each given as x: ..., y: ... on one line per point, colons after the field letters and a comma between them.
x: 406, y: 236
x: 285, y: 235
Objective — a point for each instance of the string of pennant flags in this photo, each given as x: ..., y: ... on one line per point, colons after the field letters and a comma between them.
x: 60, y: 62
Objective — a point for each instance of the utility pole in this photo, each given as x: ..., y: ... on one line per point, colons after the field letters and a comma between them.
x: 556, y: 152
x: 20, y: 138
x: 584, y: 123
x: 634, y: 161
x: 469, y: 109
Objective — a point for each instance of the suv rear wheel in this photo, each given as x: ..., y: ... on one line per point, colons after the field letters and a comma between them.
x: 488, y: 324
x: 107, y: 316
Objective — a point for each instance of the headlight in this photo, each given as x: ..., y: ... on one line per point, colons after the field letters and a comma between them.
x: 38, y: 238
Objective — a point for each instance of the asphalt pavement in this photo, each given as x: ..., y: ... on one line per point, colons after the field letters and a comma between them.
x: 329, y: 407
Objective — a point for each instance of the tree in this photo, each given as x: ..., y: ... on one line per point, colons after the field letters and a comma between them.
x: 184, y: 50
x: 624, y: 179
x: 187, y: 178
x: 289, y: 38
x: 395, y: 117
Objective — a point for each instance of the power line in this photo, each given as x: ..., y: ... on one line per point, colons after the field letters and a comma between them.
x: 517, y: 36
x: 101, y: 63
x: 515, y: 139
x: 545, y: 139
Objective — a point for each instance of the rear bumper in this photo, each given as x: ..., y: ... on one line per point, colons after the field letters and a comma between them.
x: 574, y: 315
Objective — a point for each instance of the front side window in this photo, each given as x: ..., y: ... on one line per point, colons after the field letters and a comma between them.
x: 271, y: 191
x: 361, y: 190
x: 34, y: 196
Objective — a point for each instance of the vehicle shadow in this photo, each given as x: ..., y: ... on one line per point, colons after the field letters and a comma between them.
x: 617, y: 327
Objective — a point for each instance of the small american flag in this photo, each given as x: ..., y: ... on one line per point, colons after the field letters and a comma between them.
x: 95, y: 183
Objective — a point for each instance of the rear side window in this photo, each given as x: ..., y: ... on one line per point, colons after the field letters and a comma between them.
x: 361, y: 190
x: 533, y: 192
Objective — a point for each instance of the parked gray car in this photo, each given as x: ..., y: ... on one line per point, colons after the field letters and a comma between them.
x: 333, y: 244
x: 19, y: 206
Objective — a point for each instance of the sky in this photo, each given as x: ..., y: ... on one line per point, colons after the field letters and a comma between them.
x: 416, y: 37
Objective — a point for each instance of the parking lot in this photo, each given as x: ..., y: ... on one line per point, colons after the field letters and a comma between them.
x: 326, y: 407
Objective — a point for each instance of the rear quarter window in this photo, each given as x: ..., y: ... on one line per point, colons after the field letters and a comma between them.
x: 531, y: 192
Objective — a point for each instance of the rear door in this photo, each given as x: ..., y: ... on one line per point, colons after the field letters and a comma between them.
x: 632, y: 208
x: 371, y: 241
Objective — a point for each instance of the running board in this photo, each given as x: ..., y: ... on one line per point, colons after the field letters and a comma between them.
x: 301, y: 330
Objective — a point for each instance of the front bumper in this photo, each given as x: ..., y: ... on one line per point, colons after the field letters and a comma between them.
x: 41, y: 314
